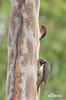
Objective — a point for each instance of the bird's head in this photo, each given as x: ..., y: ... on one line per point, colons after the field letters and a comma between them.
x: 40, y: 61
x: 44, y: 28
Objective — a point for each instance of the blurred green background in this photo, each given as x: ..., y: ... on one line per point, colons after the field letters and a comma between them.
x: 53, y: 46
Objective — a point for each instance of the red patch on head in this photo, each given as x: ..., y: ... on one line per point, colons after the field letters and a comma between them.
x: 43, y: 26
x: 38, y: 60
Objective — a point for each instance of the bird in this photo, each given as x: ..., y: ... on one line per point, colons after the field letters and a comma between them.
x: 43, y: 31
x: 44, y: 71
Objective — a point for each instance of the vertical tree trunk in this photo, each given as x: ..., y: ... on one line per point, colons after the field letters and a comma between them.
x: 23, y: 50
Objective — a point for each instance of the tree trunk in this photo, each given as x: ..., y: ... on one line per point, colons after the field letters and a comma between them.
x: 23, y: 50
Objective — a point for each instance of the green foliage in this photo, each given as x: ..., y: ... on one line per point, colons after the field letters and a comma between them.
x: 3, y: 68
x: 52, y: 49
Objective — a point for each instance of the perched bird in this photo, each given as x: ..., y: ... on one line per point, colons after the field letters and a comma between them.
x: 43, y: 31
x: 43, y: 72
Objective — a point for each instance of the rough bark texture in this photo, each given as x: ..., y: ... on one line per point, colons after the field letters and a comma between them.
x: 23, y: 50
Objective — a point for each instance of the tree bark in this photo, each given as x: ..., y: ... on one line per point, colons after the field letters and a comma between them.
x: 23, y: 50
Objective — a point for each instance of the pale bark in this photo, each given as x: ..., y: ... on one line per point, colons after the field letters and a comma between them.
x: 23, y: 50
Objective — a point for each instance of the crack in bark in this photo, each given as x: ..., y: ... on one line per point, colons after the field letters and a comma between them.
x: 18, y: 39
